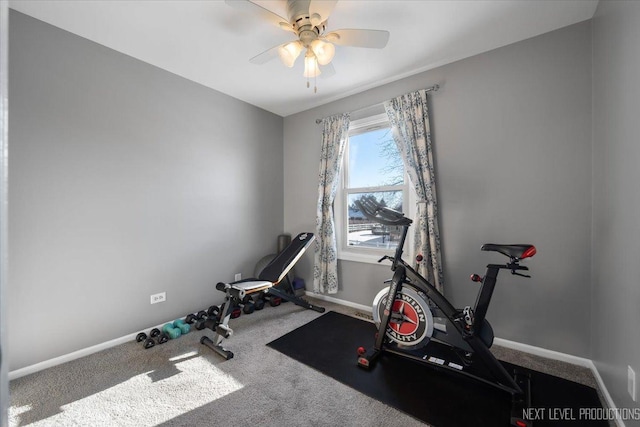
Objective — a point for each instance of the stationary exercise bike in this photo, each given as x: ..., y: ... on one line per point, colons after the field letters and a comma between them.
x: 416, y: 321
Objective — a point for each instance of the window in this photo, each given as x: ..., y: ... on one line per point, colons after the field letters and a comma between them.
x: 372, y: 168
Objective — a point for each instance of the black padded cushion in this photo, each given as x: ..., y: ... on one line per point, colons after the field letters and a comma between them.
x: 281, y: 264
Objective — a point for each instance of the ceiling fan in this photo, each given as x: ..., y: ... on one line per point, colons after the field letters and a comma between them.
x: 308, y: 20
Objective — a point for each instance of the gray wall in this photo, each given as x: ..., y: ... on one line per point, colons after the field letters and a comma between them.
x: 512, y: 134
x: 4, y: 70
x: 125, y: 181
x: 616, y: 199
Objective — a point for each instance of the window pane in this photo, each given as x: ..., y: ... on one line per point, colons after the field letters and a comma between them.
x: 374, y: 160
x: 364, y: 233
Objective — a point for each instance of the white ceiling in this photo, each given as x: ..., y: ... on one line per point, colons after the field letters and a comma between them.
x: 210, y: 42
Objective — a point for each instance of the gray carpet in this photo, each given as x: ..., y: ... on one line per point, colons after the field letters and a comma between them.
x: 182, y: 383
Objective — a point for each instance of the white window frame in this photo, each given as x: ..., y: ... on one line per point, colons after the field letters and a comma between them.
x: 341, y: 206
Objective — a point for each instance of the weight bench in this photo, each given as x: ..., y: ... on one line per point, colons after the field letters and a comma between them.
x: 266, y: 284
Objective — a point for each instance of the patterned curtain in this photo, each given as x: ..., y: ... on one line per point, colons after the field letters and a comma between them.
x: 334, y: 136
x: 409, y: 118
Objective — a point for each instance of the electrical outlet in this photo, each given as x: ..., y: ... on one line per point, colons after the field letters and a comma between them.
x: 156, y: 298
x: 631, y: 383
x: 238, y: 277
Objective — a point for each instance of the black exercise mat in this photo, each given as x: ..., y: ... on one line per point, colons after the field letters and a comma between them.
x: 328, y: 344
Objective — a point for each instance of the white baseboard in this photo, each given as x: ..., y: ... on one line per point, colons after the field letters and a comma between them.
x: 543, y: 352
x: 563, y: 357
x: 604, y: 391
x: 73, y: 356
x: 365, y: 308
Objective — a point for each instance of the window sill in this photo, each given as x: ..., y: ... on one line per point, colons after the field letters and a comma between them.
x: 367, y: 258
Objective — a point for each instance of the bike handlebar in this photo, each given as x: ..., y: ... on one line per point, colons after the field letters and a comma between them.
x: 381, y: 214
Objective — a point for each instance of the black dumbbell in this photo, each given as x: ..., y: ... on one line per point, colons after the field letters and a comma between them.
x: 191, y: 318
x: 198, y: 318
x: 162, y: 337
x: 213, y: 311
x: 248, y: 305
x: 147, y: 342
x: 159, y: 335
x: 258, y: 303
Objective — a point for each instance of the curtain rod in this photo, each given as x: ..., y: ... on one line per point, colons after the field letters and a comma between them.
x: 433, y: 88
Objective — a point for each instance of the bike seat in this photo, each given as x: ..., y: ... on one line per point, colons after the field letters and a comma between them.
x: 512, y: 251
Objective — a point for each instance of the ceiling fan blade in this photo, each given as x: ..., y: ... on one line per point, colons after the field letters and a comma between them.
x: 376, y: 39
x: 327, y: 70
x: 265, y: 14
x: 319, y: 10
x: 266, y: 56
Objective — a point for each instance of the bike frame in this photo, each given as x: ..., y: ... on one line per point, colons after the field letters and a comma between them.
x: 404, y: 274
x: 465, y: 329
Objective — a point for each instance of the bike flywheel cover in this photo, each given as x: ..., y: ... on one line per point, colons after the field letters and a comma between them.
x: 411, y: 323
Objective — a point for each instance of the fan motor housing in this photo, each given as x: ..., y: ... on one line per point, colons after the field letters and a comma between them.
x: 297, y: 9
x: 298, y: 13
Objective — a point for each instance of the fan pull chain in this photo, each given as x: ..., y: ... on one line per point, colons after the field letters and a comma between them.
x: 315, y: 84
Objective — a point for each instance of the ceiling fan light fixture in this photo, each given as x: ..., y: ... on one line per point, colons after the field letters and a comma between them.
x: 311, y: 65
x: 308, y: 20
x: 323, y: 51
x: 289, y: 52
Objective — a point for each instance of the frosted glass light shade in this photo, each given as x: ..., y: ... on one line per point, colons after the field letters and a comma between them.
x: 324, y: 51
x: 289, y: 52
x: 311, y: 65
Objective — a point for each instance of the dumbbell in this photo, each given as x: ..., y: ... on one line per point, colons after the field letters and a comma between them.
x: 180, y: 324
x: 149, y: 342
x: 162, y: 337
x: 236, y: 311
x: 273, y: 300
x: 248, y: 305
x: 172, y: 332
x: 258, y: 304
x: 191, y: 317
x: 213, y: 311
x: 146, y: 342
x: 198, y: 318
